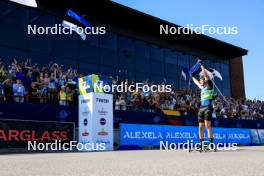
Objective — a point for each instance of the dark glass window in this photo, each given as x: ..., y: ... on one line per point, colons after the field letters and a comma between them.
x: 157, y: 61
x: 142, y: 57
x: 126, y: 54
x: 8, y: 54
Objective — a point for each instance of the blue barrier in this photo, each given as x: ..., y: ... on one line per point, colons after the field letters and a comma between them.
x: 261, y: 136
x: 42, y: 112
x: 136, y: 117
x: 152, y: 135
x: 49, y: 112
x: 191, y: 120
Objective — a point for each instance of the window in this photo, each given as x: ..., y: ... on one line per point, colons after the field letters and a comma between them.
x: 87, y: 69
x: 226, y: 78
x: 8, y: 54
x: 67, y: 46
x: 41, y: 59
x: 126, y: 54
x: 108, y: 71
x: 108, y: 41
x: 142, y: 57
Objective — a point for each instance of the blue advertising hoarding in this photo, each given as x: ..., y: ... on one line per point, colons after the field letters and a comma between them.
x: 152, y: 135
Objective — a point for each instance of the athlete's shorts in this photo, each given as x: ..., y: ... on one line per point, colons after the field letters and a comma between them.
x: 205, y: 113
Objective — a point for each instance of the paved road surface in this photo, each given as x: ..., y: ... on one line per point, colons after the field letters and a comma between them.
x: 248, y: 161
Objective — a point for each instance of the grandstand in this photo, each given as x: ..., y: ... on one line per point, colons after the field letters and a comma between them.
x: 47, y: 67
x: 132, y: 47
x: 129, y: 51
x: 47, y: 98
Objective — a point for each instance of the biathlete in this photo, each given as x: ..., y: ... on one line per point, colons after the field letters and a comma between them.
x: 206, y: 107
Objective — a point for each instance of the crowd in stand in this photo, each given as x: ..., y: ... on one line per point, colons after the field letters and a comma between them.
x: 24, y: 82
x: 187, y: 102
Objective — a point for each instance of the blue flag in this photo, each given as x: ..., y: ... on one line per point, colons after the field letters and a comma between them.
x: 75, y: 22
x: 77, y: 17
x: 185, y: 73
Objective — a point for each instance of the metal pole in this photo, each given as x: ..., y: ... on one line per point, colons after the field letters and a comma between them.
x: 219, y: 91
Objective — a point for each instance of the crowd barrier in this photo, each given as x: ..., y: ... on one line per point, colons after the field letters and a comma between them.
x: 51, y: 112
x: 152, y: 135
x: 135, y: 117
x: 41, y: 112
x: 191, y: 120
x: 17, y: 133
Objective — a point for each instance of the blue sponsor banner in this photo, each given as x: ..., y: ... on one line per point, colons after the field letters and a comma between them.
x: 261, y: 136
x: 179, y: 134
x: 141, y: 135
x: 152, y: 135
x: 219, y: 134
x: 254, y: 136
x: 239, y: 136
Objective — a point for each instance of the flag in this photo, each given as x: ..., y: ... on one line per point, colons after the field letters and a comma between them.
x: 31, y: 3
x: 212, y: 73
x: 77, y: 18
x: 217, y: 74
x: 75, y: 22
x: 185, y: 73
x: 209, y: 72
x: 196, y: 69
x: 74, y: 28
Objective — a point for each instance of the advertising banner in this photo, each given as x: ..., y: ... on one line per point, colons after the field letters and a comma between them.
x: 85, y: 118
x: 238, y: 135
x: 102, y: 119
x: 94, y: 83
x: 141, y: 135
x: 152, y: 135
x: 17, y: 133
x: 180, y: 134
x: 95, y: 113
x: 254, y: 136
x: 261, y: 136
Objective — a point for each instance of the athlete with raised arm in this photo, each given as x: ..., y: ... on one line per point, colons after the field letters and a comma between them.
x: 206, y: 107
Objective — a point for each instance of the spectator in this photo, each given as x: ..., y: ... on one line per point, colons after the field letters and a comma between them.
x: 43, y: 84
x: 120, y: 103
x: 33, y: 94
x: 52, y: 88
x: 62, y: 96
x: 18, y: 91
x: 69, y: 96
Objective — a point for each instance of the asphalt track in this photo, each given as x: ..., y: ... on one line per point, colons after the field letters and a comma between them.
x: 247, y: 161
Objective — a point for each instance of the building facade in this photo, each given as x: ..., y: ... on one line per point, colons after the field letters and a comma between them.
x: 129, y: 49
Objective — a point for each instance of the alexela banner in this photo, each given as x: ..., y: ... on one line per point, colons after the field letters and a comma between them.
x: 152, y: 135
x: 95, y: 116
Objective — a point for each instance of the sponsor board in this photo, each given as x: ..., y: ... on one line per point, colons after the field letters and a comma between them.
x: 261, y: 136
x: 152, y: 135
x: 17, y: 133
x: 95, y: 113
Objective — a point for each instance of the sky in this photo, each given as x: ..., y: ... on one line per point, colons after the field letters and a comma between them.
x: 246, y: 15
